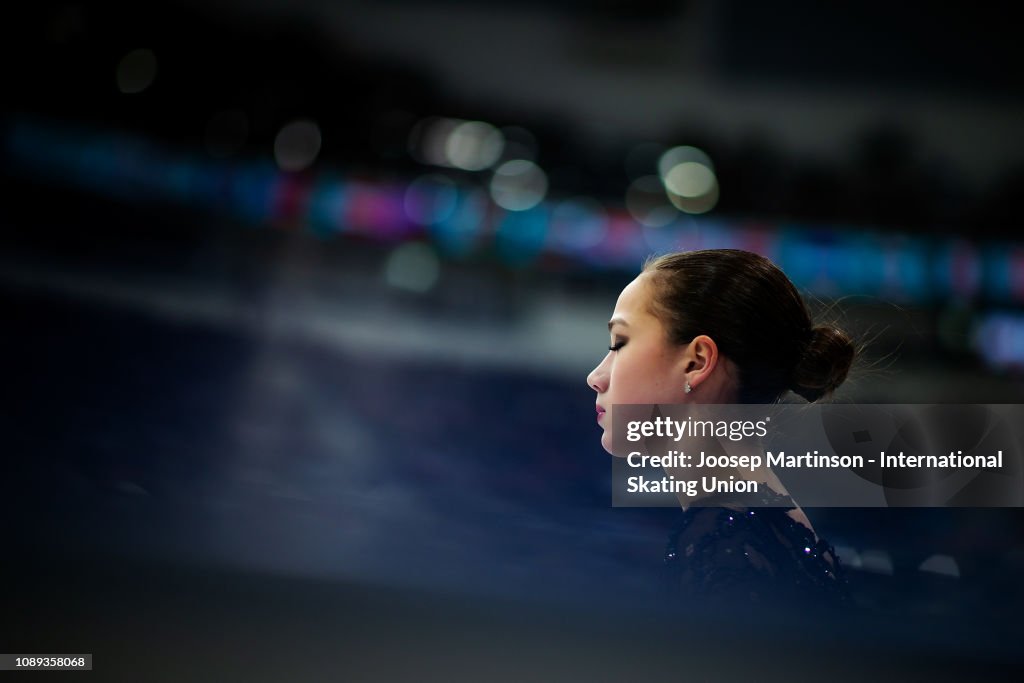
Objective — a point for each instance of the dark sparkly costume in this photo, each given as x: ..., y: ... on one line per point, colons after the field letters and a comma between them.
x: 745, y: 549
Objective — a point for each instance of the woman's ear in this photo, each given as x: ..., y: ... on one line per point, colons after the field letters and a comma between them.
x: 700, y: 359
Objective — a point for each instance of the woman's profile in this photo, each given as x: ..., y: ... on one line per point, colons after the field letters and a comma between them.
x: 727, y: 326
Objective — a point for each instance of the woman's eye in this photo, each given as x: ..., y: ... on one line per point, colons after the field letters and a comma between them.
x: 616, y: 346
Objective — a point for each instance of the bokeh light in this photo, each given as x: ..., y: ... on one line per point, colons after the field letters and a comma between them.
x: 474, y: 146
x: 136, y: 71
x: 297, y: 145
x: 577, y: 224
x: 671, y: 158
x: 689, y: 179
x: 412, y: 266
x: 431, y: 199
x: 428, y: 140
x: 647, y: 203
x: 518, y: 185
x: 999, y: 339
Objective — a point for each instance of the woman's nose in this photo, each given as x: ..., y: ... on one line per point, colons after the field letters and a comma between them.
x: 597, y: 380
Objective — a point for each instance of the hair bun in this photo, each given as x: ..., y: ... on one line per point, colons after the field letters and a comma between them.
x: 824, y: 364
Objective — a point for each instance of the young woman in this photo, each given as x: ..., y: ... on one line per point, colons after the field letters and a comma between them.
x: 727, y: 326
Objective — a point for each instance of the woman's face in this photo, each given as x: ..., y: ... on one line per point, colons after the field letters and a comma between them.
x: 642, y: 366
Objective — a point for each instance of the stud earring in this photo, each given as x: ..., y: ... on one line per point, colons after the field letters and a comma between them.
x: 687, y: 388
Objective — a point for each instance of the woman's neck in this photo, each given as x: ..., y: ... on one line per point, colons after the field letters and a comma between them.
x: 715, y: 480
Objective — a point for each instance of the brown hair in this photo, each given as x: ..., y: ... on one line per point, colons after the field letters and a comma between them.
x: 756, y: 316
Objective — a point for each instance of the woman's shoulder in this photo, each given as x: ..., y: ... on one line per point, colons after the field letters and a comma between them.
x: 748, y: 548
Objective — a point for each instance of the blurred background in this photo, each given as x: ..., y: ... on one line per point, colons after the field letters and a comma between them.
x: 300, y: 298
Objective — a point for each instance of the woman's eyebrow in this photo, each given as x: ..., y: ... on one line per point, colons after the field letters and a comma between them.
x: 617, y: 321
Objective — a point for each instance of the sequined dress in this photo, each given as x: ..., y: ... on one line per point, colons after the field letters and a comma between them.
x: 744, y: 548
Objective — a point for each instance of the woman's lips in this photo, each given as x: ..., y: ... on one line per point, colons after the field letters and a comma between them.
x: 600, y: 413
